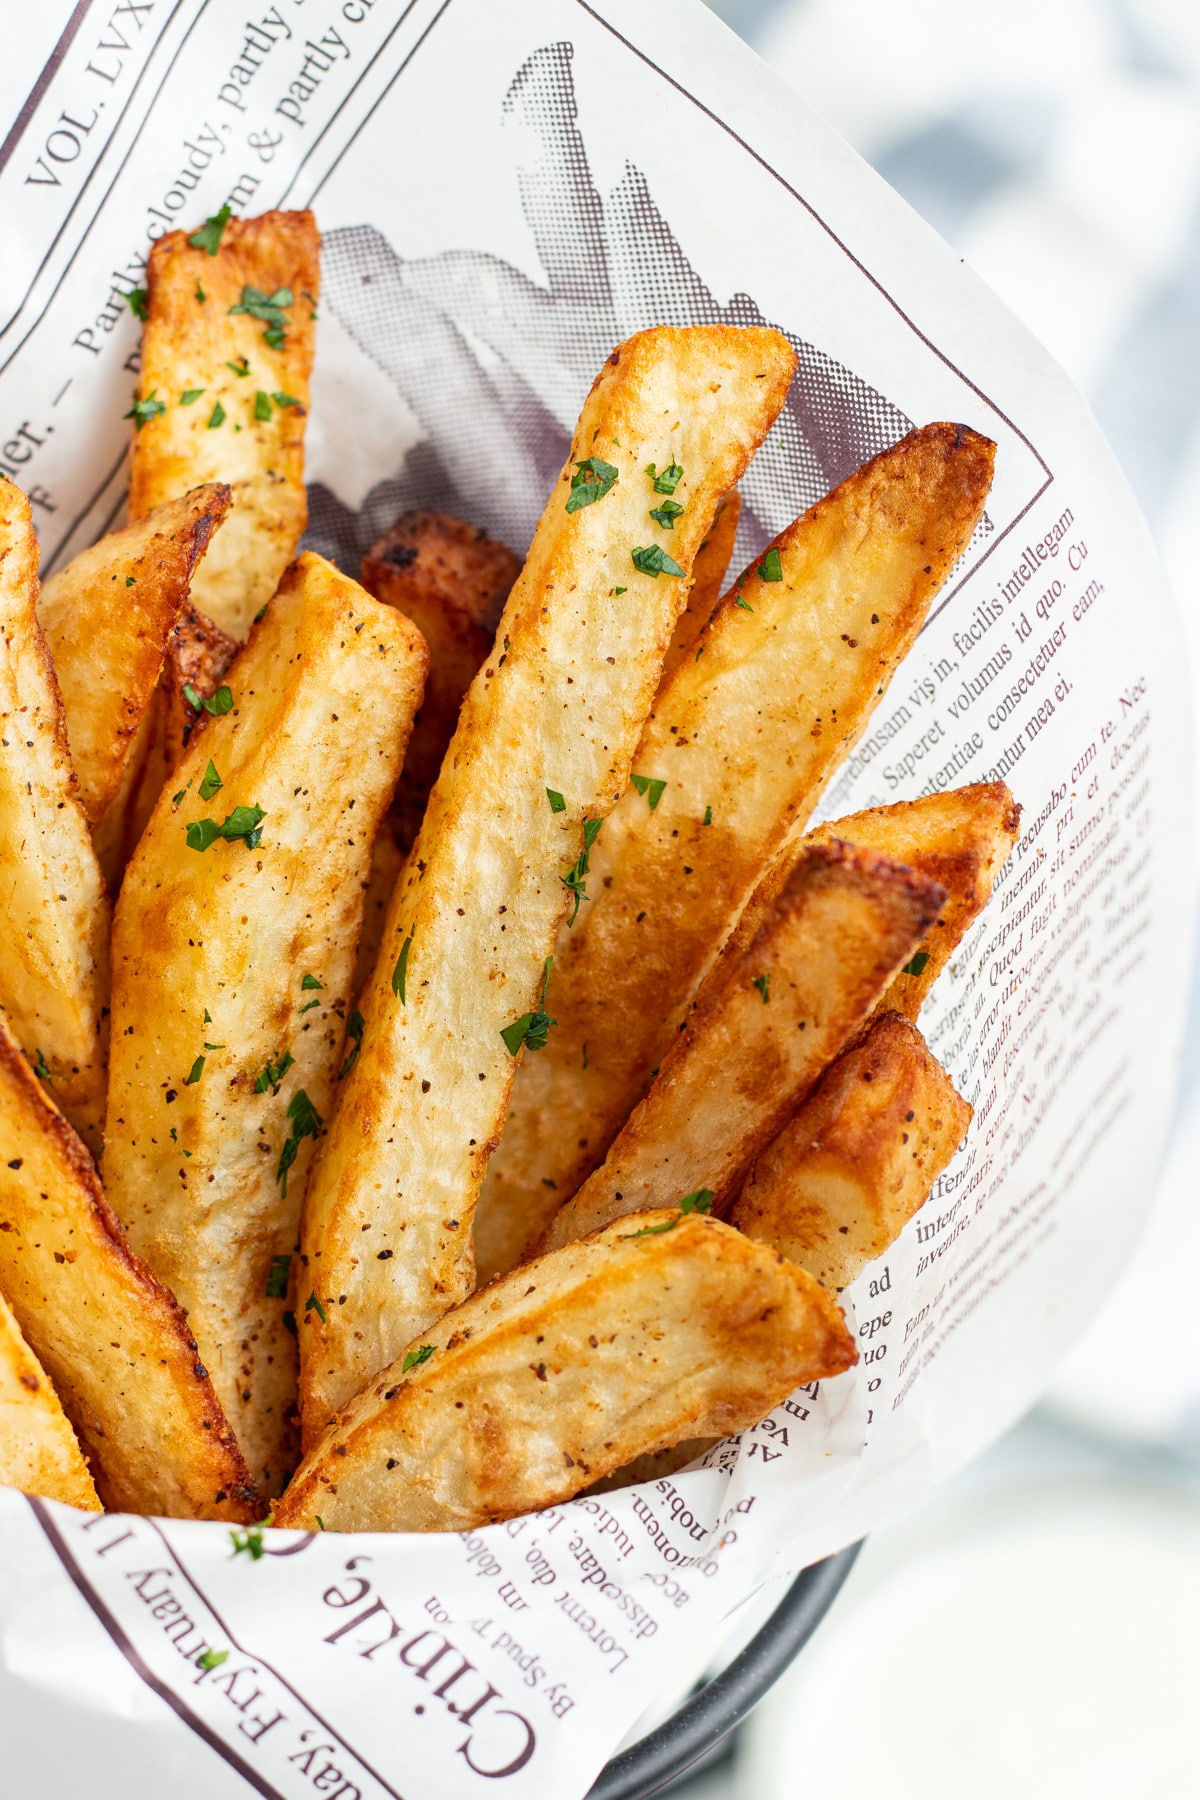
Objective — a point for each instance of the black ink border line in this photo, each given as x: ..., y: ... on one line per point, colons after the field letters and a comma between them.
x: 863, y: 270
x: 308, y: 1706
x: 49, y: 71
x: 125, y: 1645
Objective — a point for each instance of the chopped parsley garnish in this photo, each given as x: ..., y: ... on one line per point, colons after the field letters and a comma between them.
x: 197, y: 1071
x: 414, y: 1358
x: 617, y: 591
x: 189, y: 396
x: 400, y: 972
x: 216, y: 416
x: 217, y: 705
x: 241, y: 367
x: 243, y: 822
x: 209, y: 1046
x: 707, y: 820
x: 666, y: 514
x: 142, y: 411
x: 262, y: 407
x: 282, y: 400
x: 212, y: 1659
x: 269, y: 309
x: 557, y: 803
x: 306, y: 1122
x: 200, y: 293
x: 131, y: 581
x: 763, y: 984
x: 137, y: 298
x: 531, y: 1028
x: 273, y: 1073
x: 744, y: 604
x: 317, y: 1516
x: 309, y: 1006
x: 593, y: 478
x: 250, y: 1540
x: 917, y: 965
x: 210, y: 233
x: 207, y: 1016
x: 277, y: 1277
x: 354, y: 1032
x: 312, y: 1304
x: 576, y: 878
x: 652, y: 788
x: 698, y: 1201
x: 39, y: 1067
x: 770, y: 568
x: 653, y: 560
x: 212, y: 783
x: 668, y: 480
x: 311, y: 981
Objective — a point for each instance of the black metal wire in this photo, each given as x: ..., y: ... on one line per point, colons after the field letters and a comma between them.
x: 701, y: 1722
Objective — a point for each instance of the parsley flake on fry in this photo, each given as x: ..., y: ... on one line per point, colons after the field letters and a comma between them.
x: 770, y: 568
x: 414, y: 1358
x: 666, y: 480
x: 557, y: 803
x: 531, y: 1028
x: 400, y: 972
x: 189, y: 396
x: 212, y: 783
x: 763, y: 984
x: 312, y: 1304
x: 593, y: 478
x: 269, y: 309
x: 216, y: 705
x: 195, y: 1073
x: 917, y: 964
x: 653, y: 560
x: 216, y: 417
x: 138, y: 299
x: 273, y: 1073
x: 210, y: 234
x: 666, y: 514
x: 699, y: 1200
x: 277, y: 1278
x: 354, y: 1033
x: 651, y: 787
x: 306, y: 1122
x: 142, y: 411
x: 243, y: 822
x: 262, y: 407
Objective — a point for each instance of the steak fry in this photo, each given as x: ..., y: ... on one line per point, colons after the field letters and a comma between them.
x: 562, y: 1372
x: 542, y: 751
x: 39, y: 1453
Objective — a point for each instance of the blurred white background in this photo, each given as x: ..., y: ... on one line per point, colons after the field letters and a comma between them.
x: 1033, y: 1626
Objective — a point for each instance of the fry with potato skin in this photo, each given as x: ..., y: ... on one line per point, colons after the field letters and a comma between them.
x: 53, y: 899
x: 39, y: 1453
x: 744, y: 734
x: 858, y: 1159
x: 241, y: 368
x: 109, y: 1335
x: 451, y: 579
x: 556, y: 711
x: 961, y: 839
x: 107, y: 617
x: 560, y: 1373
x: 763, y: 1027
x: 233, y: 968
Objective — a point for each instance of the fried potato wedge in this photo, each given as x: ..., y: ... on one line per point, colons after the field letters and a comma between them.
x: 743, y: 737
x: 544, y: 743
x: 39, y: 1452
x: 960, y: 839
x: 53, y: 899
x: 763, y: 1027
x: 451, y: 580
x: 109, y: 1335
x: 233, y: 959
x: 551, y: 1378
x: 708, y: 577
x: 228, y: 343
x: 387, y: 860
x: 858, y: 1159
x: 198, y: 657
x: 107, y: 617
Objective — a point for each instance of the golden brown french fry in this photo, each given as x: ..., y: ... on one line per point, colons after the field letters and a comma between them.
x: 451, y: 580
x: 233, y: 958
x: 544, y: 743
x: 563, y: 1371
x: 107, y: 617
x: 53, y: 900
x: 708, y: 578
x: 742, y: 739
x: 387, y: 861
x: 39, y: 1453
x: 209, y: 367
x: 198, y: 657
x: 763, y: 1027
x: 860, y: 1156
x: 960, y: 839
x: 109, y: 1335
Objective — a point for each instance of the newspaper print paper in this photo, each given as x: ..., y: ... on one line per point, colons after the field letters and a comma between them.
x: 505, y: 192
